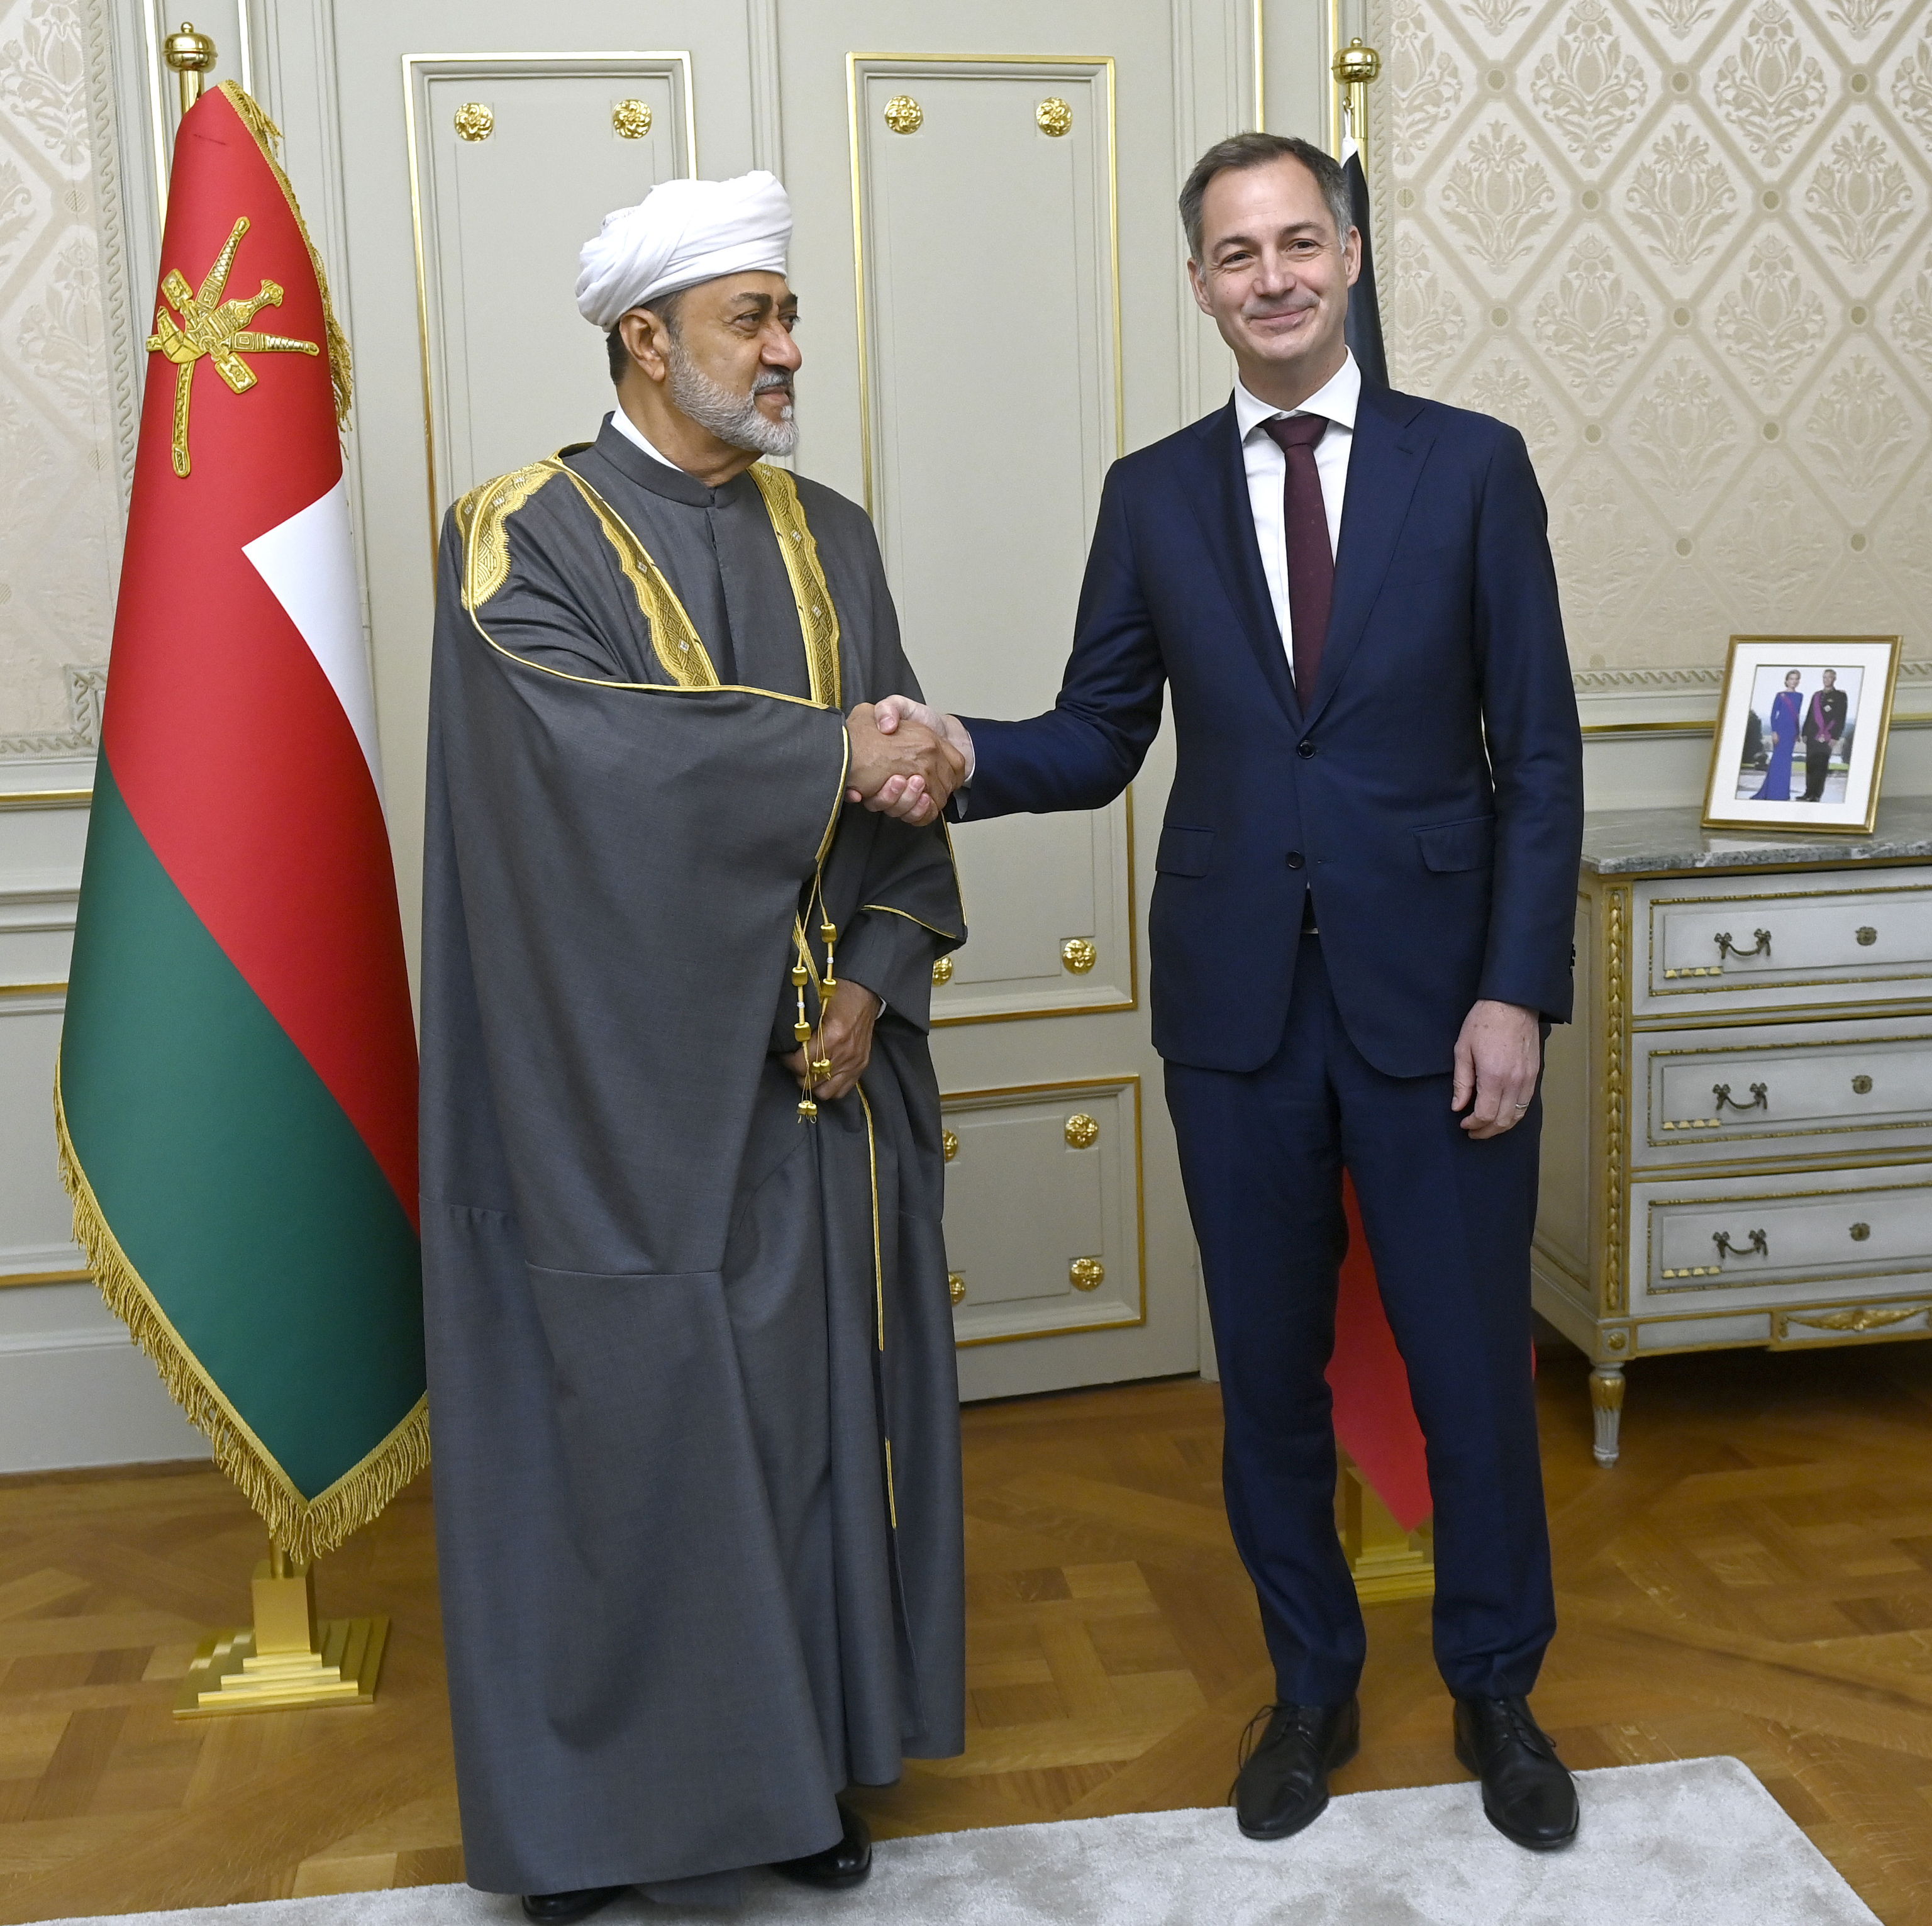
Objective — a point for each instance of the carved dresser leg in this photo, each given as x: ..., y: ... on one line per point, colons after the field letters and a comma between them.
x: 1607, y: 1399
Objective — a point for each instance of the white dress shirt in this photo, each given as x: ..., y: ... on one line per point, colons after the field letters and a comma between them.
x: 628, y: 428
x: 1267, y: 467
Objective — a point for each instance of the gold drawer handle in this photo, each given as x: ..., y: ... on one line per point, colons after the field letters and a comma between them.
x: 1759, y: 1100
x: 949, y: 1144
x: 631, y: 120
x: 1727, y: 945
x: 1860, y: 1232
x: 1087, y: 1273
x: 1078, y: 954
x: 955, y: 1286
x: 1861, y: 1086
x: 474, y: 121
x: 942, y: 973
x: 904, y: 114
x: 1082, y: 1130
x: 1866, y: 935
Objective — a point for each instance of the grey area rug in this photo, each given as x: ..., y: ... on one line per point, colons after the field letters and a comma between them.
x: 1695, y: 1843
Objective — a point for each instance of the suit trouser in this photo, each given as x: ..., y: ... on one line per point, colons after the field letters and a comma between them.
x: 1449, y: 1222
x: 1817, y: 767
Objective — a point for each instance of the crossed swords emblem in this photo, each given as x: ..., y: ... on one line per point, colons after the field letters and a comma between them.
x: 217, y: 329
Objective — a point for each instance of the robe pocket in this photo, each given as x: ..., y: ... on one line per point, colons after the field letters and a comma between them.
x: 1184, y: 852
x: 1468, y: 845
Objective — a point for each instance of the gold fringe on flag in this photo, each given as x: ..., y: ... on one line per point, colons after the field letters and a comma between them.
x: 304, y: 1527
x: 269, y: 138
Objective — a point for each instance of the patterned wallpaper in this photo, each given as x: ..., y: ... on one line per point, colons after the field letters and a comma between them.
x: 60, y: 519
x: 1686, y: 247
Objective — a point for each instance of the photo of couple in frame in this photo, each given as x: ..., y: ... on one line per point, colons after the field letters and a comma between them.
x: 1800, y: 732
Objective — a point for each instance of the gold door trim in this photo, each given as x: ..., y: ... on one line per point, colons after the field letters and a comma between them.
x: 920, y: 65
x: 1132, y: 999
x: 46, y: 798
x: 1115, y: 1084
x: 416, y: 66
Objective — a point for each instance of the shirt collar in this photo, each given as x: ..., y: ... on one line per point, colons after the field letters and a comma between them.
x: 628, y: 428
x: 1337, y: 398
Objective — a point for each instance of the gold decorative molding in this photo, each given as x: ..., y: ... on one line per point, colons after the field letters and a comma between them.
x: 1860, y: 1318
x: 1126, y: 1089
x: 1616, y: 1075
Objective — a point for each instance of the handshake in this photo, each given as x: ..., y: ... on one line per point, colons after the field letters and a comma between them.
x: 906, y: 759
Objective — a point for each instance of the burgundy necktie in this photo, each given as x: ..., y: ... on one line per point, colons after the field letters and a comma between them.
x: 1311, y: 561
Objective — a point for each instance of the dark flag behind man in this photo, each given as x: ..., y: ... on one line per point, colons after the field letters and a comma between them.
x: 691, y: 1348
x: 1364, y: 325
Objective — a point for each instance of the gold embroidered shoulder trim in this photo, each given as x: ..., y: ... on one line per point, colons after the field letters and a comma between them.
x: 816, y: 616
x: 680, y: 652
x: 482, y: 519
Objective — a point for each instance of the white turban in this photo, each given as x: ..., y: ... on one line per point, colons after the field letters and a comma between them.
x: 682, y: 232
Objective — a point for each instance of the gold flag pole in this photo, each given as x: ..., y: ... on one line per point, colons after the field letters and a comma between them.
x: 189, y: 55
x: 288, y: 1656
x: 1356, y: 65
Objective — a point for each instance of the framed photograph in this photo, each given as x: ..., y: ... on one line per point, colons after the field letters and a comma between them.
x: 1802, y: 727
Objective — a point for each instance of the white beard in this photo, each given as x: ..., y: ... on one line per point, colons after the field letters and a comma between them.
x: 735, y: 419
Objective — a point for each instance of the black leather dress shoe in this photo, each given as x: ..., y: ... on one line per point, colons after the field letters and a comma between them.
x: 1528, y: 1795
x: 838, y: 1866
x: 559, y: 1908
x: 1283, y: 1784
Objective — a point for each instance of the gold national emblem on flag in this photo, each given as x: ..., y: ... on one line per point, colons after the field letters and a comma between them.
x: 217, y: 329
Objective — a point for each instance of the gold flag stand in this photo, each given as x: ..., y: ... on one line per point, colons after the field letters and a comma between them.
x: 288, y: 1656
x: 1388, y: 1563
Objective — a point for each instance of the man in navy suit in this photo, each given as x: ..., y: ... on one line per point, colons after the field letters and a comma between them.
x: 1360, y: 929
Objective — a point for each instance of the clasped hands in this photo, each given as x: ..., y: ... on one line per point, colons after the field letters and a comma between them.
x: 906, y: 758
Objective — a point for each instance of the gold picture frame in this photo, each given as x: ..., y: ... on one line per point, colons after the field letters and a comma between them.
x: 1775, y: 715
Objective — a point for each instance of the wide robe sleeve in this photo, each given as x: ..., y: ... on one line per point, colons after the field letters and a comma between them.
x: 630, y: 855
x: 897, y: 884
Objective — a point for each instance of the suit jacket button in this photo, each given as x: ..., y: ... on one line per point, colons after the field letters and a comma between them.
x: 1296, y: 860
x: 1304, y: 750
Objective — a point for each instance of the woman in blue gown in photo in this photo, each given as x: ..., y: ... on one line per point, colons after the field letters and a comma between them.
x: 1784, y: 714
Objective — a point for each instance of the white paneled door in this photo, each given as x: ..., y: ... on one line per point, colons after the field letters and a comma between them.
x: 993, y: 310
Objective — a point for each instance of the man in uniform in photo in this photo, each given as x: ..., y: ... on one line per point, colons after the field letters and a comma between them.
x: 1824, y: 731
x: 690, y: 1348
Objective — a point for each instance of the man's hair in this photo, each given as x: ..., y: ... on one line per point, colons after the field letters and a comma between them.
x: 1260, y: 150
x: 665, y: 308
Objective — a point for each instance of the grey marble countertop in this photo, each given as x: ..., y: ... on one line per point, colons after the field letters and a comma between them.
x: 1620, y: 842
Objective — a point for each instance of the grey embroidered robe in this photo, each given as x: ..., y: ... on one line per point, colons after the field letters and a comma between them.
x: 692, y: 1385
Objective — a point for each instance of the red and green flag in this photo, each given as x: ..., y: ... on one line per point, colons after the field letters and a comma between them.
x: 236, y: 1098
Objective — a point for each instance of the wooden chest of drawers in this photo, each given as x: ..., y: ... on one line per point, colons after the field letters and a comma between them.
x: 1737, y: 1137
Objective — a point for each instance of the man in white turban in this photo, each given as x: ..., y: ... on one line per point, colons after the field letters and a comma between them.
x: 697, y: 1476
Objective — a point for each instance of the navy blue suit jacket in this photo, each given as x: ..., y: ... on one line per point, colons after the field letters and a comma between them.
x: 1430, y: 794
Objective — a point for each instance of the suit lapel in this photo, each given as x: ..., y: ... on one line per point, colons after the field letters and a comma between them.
x: 1385, y: 461
x: 1226, y: 517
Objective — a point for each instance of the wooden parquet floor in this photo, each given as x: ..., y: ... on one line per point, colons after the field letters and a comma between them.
x: 1755, y: 1578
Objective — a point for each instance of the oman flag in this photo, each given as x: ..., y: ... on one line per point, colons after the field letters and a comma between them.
x: 236, y: 1092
